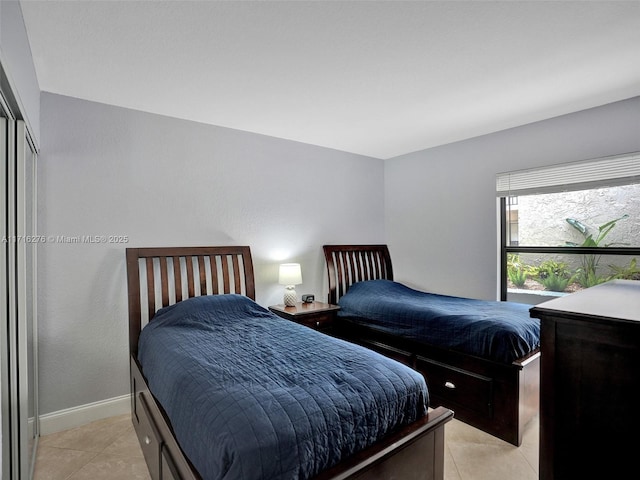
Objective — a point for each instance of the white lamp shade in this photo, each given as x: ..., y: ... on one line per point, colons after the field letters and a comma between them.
x: 290, y: 274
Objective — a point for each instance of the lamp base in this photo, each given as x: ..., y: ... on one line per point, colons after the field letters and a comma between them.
x: 290, y: 296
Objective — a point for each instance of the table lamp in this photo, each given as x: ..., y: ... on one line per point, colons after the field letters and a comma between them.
x: 290, y: 275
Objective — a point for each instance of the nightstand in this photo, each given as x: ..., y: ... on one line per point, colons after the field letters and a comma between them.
x: 316, y: 315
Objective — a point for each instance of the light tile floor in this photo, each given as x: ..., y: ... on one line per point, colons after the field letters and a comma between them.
x: 471, y: 454
x: 108, y: 450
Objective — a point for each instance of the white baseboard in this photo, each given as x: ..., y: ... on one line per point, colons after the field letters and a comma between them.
x: 83, y: 414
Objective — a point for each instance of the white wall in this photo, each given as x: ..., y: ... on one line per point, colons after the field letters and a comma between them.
x: 16, y: 59
x: 440, y: 205
x: 106, y: 170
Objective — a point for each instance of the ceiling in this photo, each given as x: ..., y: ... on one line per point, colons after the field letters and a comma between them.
x: 378, y: 78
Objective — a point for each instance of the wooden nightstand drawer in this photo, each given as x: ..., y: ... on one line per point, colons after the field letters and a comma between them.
x: 318, y: 322
x: 316, y: 315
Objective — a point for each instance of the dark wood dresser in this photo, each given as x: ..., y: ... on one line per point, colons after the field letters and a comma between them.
x: 590, y: 382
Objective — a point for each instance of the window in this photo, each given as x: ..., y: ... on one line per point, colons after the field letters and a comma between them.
x: 569, y: 227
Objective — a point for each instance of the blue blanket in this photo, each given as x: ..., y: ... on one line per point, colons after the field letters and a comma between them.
x: 499, y: 331
x: 253, y: 396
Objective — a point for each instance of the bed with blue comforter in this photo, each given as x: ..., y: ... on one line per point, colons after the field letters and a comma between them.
x: 480, y: 358
x: 497, y: 331
x: 253, y: 396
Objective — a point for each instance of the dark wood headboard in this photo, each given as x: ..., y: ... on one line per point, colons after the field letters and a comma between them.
x: 159, y: 277
x: 348, y: 264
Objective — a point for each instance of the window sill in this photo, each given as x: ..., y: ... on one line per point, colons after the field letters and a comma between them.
x: 541, y: 293
x: 531, y: 297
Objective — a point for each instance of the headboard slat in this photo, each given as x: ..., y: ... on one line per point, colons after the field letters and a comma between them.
x: 213, y: 263
x: 191, y: 289
x: 203, y: 275
x: 236, y: 273
x: 351, y: 262
x: 375, y: 265
x: 177, y: 274
x: 358, y: 268
x: 348, y: 264
x: 151, y: 290
x: 337, y: 258
x: 367, y: 259
x: 164, y: 281
x: 223, y: 261
x: 225, y: 274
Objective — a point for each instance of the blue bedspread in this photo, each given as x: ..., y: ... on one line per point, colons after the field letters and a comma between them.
x: 499, y: 331
x: 253, y: 396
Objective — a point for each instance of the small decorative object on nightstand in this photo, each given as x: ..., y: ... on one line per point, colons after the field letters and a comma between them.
x: 316, y: 315
x: 290, y: 275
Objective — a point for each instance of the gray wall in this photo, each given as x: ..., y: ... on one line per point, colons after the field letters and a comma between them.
x: 166, y: 182
x: 161, y: 181
x: 441, y: 216
x: 15, y: 55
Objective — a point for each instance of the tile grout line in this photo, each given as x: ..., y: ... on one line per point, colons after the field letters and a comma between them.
x: 81, y: 466
x: 455, y: 464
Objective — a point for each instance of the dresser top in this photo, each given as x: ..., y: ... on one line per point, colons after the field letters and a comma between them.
x: 617, y: 299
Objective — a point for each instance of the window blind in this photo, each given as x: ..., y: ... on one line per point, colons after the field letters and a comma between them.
x: 595, y: 173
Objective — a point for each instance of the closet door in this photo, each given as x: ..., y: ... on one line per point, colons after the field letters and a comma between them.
x: 18, y: 303
x: 4, y: 306
x: 11, y: 461
x: 26, y: 248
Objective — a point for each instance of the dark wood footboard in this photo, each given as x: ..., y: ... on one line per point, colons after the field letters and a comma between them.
x: 415, y: 452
